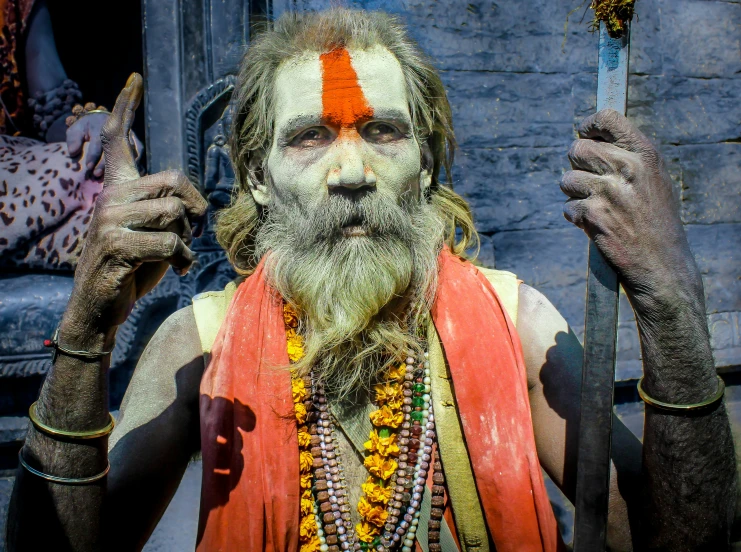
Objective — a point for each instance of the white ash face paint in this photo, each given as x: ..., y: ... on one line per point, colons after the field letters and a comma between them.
x: 309, y: 156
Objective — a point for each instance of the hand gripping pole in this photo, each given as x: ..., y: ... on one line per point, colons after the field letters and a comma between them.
x: 600, y: 338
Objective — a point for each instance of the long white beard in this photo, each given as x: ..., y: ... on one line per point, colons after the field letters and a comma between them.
x: 362, y: 299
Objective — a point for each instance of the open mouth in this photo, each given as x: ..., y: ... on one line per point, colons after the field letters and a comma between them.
x: 354, y: 227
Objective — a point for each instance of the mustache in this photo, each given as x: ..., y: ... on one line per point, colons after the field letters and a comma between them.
x: 378, y: 215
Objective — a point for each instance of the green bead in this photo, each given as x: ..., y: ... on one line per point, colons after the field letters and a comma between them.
x: 417, y: 416
x: 364, y: 546
x: 376, y: 542
x: 419, y: 387
x: 418, y: 401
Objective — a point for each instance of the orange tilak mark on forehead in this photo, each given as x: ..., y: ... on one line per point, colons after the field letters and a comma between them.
x: 343, y: 101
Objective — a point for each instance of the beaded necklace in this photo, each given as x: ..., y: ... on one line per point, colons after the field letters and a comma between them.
x: 399, y: 455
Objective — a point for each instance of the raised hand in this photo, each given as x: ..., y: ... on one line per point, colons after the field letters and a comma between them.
x: 140, y: 227
x: 620, y: 194
x: 87, y: 130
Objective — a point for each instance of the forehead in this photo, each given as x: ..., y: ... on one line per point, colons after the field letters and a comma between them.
x: 299, y: 84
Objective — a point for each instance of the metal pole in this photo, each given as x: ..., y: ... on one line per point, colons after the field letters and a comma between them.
x: 600, y: 338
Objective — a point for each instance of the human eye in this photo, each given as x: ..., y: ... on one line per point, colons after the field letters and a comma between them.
x: 381, y: 132
x: 312, y: 137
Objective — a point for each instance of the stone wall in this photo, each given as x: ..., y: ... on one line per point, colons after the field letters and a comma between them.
x: 518, y: 82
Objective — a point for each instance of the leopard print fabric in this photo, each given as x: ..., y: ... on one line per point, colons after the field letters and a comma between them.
x: 46, y: 203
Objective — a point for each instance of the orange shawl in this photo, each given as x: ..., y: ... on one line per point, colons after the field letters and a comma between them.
x: 250, y: 490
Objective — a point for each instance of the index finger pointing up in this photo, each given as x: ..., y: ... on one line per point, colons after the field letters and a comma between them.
x: 120, y: 164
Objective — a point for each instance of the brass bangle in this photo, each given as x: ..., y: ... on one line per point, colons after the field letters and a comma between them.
x: 64, y: 434
x: 682, y: 408
x: 63, y: 480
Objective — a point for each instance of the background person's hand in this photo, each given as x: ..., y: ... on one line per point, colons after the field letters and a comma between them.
x: 620, y: 194
x: 86, y: 130
x: 140, y: 226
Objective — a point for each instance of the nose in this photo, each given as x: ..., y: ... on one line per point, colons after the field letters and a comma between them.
x: 350, y: 171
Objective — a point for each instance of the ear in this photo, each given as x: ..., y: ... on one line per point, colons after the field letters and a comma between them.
x: 256, y: 178
x: 425, y: 172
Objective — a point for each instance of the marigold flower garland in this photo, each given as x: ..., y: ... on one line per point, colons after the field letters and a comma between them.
x: 308, y: 528
x: 388, y: 500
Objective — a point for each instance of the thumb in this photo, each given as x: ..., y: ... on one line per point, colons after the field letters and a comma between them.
x: 120, y: 165
x: 612, y: 127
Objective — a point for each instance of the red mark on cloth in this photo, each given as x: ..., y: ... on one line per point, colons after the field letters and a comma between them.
x: 343, y: 101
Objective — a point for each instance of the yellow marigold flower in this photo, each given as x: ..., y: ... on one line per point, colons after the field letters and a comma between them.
x: 304, y: 438
x: 307, y: 506
x: 307, y: 528
x: 300, y: 411
x: 305, y: 480
x: 298, y: 388
x: 397, y: 373
x: 290, y: 318
x: 380, y: 466
x: 376, y: 493
x: 366, y: 532
x: 396, y: 402
x: 294, y: 346
x: 385, y: 446
x: 385, y: 416
x: 305, y: 461
x: 312, y: 546
x: 387, y: 391
x: 373, y: 514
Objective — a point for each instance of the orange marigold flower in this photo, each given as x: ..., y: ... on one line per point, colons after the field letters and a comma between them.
x: 376, y: 493
x: 305, y: 461
x: 298, y: 388
x: 290, y: 318
x: 387, y: 391
x: 304, y: 438
x: 385, y: 416
x: 300, y: 411
x: 366, y: 532
x: 305, y: 480
x: 380, y: 466
x: 385, y: 446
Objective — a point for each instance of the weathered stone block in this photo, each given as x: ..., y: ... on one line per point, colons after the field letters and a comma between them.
x: 552, y: 261
x: 646, y: 54
x: 673, y: 110
x: 725, y: 338
x: 510, y: 109
x: 497, y: 36
x: 703, y: 38
x: 513, y: 188
x: 717, y: 249
x: 710, y: 183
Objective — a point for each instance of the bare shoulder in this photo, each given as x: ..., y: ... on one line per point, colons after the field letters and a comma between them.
x: 547, y: 340
x: 157, y: 432
x: 167, y: 375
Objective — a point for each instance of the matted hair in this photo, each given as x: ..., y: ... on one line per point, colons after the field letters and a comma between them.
x: 294, y: 34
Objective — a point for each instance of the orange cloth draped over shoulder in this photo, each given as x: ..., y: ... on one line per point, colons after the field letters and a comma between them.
x: 250, y: 490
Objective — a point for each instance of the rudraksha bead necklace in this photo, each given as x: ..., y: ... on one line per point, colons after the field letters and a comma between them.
x: 416, y: 438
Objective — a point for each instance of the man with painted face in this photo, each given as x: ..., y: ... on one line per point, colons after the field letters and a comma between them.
x: 363, y: 386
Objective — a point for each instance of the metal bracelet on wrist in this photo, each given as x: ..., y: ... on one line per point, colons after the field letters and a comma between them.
x: 53, y: 344
x: 703, y: 406
x: 48, y: 106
